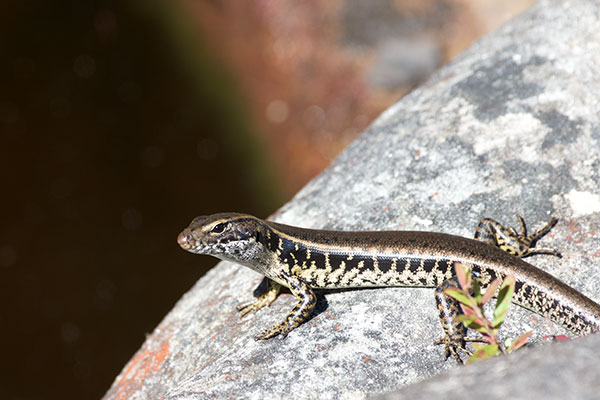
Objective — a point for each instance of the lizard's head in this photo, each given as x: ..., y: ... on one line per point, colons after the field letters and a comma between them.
x: 229, y: 236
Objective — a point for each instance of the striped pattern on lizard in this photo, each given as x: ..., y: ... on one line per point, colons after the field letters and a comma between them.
x: 306, y: 259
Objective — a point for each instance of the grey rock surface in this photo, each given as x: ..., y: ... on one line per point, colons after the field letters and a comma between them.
x: 562, y: 372
x: 510, y: 127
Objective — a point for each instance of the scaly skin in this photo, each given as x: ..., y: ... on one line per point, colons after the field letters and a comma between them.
x: 307, y: 259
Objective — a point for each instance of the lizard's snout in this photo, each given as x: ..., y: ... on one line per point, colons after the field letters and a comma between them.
x: 185, y: 240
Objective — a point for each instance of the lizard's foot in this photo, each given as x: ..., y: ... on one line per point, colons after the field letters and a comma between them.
x: 453, y: 347
x: 299, y: 314
x: 253, y: 306
x: 264, y: 300
x: 533, y: 238
x: 282, y: 329
x: 508, y: 239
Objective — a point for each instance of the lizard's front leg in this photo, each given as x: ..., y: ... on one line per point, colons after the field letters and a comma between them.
x: 264, y: 299
x: 299, y: 314
x: 507, y: 238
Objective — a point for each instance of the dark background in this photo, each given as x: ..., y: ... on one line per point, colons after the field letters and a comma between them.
x: 107, y: 152
x: 120, y: 121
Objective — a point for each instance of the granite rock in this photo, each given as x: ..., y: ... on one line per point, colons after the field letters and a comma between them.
x: 509, y: 127
x: 563, y: 371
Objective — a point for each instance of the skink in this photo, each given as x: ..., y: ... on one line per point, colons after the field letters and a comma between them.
x: 306, y: 259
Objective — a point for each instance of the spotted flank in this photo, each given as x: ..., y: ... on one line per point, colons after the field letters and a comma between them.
x: 306, y: 259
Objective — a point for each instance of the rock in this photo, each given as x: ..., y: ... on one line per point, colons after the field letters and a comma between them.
x: 563, y: 371
x: 510, y: 127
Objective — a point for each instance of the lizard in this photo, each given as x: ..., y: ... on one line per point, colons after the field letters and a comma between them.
x: 307, y: 259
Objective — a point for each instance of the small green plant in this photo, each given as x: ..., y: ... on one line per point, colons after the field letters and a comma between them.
x: 472, y: 301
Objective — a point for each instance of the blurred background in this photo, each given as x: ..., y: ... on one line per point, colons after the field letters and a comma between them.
x: 122, y: 120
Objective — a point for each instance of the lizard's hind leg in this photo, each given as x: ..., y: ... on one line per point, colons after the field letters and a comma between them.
x: 509, y: 240
x: 454, y: 339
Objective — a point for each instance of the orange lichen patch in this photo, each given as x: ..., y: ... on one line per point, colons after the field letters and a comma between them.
x: 145, y: 363
x: 320, y: 347
x: 329, y: 316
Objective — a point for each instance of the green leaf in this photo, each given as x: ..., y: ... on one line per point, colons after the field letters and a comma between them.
x: 473, y: 322
x: 477, y: 292
x: 479, y: 346
x: 504, y: 298
x: 490, y: 291
x: 520, y: 342
x: 463, y: 275
x: 484, y: 352
x: 466, y: 318
x: 461, y: 297
x: 466, y: 310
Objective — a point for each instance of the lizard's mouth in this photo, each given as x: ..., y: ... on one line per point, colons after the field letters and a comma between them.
x: 185, y: 240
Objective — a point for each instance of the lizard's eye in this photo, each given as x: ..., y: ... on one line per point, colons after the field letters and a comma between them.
x: 219, y: 228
